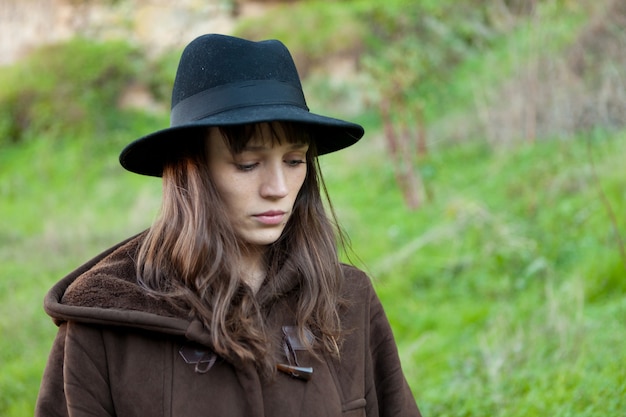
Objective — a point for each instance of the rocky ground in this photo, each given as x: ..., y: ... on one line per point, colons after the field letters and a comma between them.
x: 156, y: 24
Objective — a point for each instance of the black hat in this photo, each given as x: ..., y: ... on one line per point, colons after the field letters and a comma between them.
x: 223, y: 80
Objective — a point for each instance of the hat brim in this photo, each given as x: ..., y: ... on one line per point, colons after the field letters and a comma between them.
x: 148, y: 154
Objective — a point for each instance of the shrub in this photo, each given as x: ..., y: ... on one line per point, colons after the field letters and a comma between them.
x: 65, y: 89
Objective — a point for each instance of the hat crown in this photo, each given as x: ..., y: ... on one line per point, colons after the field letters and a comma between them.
x: 213, y: 60
x: 226, y: 81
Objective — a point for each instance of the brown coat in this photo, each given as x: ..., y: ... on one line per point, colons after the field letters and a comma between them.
x: 117, y: 353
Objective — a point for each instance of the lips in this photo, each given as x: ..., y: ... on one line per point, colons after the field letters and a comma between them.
x: 272, y: 217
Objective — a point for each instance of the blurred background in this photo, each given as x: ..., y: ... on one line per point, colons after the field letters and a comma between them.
x: 486, y: 200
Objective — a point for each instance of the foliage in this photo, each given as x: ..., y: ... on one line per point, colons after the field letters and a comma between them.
x: 417, y: 59
x: 506, y: 291
x: 65, y: 89
x: 337, y: 32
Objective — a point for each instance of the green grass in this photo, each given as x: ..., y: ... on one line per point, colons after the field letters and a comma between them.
x: 506, y: 290
x: 58, y: 210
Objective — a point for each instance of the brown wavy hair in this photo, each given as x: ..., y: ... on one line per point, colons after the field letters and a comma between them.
x: 192, y: 256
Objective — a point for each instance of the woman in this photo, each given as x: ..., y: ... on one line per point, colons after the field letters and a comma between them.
x: 234, y: 302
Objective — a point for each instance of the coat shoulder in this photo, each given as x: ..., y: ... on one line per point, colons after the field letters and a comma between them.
x: 356, y: 282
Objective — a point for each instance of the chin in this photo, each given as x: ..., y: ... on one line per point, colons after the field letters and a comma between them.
x: 265, y: 240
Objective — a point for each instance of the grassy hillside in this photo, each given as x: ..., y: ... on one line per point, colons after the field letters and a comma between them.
x: 506, y: 289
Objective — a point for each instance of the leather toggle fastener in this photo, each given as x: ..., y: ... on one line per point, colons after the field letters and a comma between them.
x: 291, y: 343
x: 299, y: 372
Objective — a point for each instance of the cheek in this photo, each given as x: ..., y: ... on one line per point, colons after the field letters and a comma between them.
x: 228, y: 190
x: 299, y: 181
x: 236, y: 196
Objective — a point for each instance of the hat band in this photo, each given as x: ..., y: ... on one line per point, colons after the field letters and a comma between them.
x: 236, y: 95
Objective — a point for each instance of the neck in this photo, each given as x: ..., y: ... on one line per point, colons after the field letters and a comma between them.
x: 253, y: 267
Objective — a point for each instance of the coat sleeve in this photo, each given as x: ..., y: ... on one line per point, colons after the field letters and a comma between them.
x: 75, y: 382
x: 51, y: 397
x: 387, y: 389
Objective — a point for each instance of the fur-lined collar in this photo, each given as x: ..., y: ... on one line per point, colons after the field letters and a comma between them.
x: 112, y: 284
x: 105, y: 291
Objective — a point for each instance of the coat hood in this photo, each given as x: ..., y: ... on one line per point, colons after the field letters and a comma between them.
x: 105, y: 291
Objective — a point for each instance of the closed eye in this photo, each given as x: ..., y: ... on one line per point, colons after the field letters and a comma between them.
x: 246, y: 167
x: 295, y: 162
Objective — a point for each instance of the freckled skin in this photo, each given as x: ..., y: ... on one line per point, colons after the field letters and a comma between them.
x: 259, y: 186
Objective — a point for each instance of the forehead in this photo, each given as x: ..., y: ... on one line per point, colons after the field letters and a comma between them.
x: 239, y: 138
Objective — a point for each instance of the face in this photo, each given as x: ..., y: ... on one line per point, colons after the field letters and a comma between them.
x: 259, y: 185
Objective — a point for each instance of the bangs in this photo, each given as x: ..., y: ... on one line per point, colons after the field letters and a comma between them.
x: 238, y: 136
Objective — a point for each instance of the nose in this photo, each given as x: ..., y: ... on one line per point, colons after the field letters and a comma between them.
x: 274, y: 183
